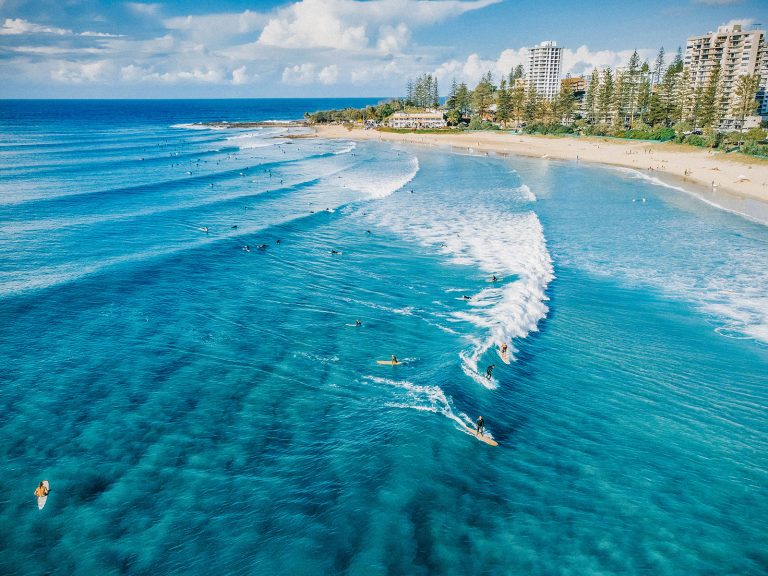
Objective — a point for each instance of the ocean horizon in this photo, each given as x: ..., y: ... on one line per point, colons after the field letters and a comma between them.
x: 184, y: 363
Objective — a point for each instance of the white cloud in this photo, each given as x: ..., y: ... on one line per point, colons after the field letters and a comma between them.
x: 743, y: 22
x: 77, y: 73
x: 345, y: 24
x: 329, y: 74
x: 240, y: 76
x: 145, y: 9
x: 14, y: 26
x: 299, y: 74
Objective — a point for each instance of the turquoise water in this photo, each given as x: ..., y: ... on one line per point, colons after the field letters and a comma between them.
x: 203, y: 409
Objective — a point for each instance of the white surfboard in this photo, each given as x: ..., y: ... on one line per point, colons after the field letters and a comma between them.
x: 41, y: 500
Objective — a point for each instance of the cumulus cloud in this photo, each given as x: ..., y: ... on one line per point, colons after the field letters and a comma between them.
x: 345, y: 24
x: 299, y: 74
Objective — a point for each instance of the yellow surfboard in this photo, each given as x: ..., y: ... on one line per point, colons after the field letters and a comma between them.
x: 482, y: 437
x: 388, y: 362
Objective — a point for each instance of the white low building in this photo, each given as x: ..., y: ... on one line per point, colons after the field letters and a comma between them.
x: 417, y: 120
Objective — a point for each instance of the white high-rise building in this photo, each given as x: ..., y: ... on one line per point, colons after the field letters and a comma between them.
x: 544, y: 64
x: 739, y: 53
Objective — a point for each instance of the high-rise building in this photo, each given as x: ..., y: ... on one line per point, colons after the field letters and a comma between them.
x: 739, y: 53
x: 544, y: 64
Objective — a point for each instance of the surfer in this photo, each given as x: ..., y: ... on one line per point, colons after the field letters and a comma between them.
x: 234, y: 227
x: 489, y: 371
x: 262, y: 246
x: 41, y: 491
x: 394, y: 360
x: 246, y: 248
x: 494, y: 279
x: 466, y: 297
x: 503, y: 348
x: 204, y: 229
x: 480, y: 426
x: 358, y: 323
x: 335, y: 252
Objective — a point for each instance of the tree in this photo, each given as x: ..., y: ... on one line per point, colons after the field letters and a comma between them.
x: 531, y: 105
x: 605, y: 98
x: 590, y: 98
x: 503, y: 104
x: 517, y: 102
x: 658, y: 67
x: 482, y: 97
x: 463, y: 102
x: 450, y: 102
x: 562, y: 106
x: 710, y: 100
x: 746, y: 103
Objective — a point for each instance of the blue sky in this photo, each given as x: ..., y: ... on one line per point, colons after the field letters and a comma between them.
x: 319, y: 48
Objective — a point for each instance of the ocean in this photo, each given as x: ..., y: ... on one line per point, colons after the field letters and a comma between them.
x: 181, y: 360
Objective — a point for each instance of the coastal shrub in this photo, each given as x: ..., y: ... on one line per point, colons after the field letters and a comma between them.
x: 475, y: 124
x: 552, y: 128
x: 695, y: 140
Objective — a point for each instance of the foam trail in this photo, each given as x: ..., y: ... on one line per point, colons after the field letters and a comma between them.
x: 424, y: 399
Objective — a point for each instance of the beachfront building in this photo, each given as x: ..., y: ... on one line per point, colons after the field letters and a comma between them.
x: 738, y: 52
x: 543, y: 72
x: 428, y: 119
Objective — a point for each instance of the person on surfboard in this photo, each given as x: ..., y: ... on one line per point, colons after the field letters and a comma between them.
x: 489, y: 371
x: 394, y: 359
x: 480, y: 426
x: 358, y: 323
x: 41, y: 490
x: 503, y: 348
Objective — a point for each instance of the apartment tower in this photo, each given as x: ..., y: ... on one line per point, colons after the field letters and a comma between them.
x: 544, y: 64
x: 739, y: 53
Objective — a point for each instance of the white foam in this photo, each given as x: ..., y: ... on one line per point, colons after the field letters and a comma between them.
x: 383, y: 178
x: 508, y: 244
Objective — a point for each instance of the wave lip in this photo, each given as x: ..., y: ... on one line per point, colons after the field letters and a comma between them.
x: 510, y: 245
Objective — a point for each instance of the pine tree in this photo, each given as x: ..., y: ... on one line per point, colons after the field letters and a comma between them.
x: 503, y: 104
x: 710, y: 100
x: 517, y: 102
x: 482, y: 97
x: 531, y: 105
x: 450, y: 102
x: 590, y: 98
x: 435, y: 94
x: 605, y: 98
x: 658, y: 67
x: 746, y: 102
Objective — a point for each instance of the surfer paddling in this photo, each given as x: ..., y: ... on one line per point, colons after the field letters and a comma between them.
x: 42, y: 490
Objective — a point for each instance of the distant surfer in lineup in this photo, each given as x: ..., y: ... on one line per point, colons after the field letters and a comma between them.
x: 465, y: 297
x: 42, y: 493
x: 489, y: 371
x: 494, y: 279
x: 358, y: 323
x: 480, y: 426
x: 204, y: 229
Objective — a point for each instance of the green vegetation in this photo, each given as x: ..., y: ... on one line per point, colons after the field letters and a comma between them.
x: 639, y: 101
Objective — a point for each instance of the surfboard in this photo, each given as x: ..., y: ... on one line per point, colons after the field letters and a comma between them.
x: 41, y: 500
x: 482, y: 437
x: 504, y: 356
x: 388, y: 362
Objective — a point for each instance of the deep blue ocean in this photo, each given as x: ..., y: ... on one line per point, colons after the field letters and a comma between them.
x: 180, y: 358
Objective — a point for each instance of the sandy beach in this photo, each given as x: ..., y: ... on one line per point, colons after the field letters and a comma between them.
x: 736, y: 183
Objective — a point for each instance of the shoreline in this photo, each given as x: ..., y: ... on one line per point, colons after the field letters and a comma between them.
x: 736, y: 184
